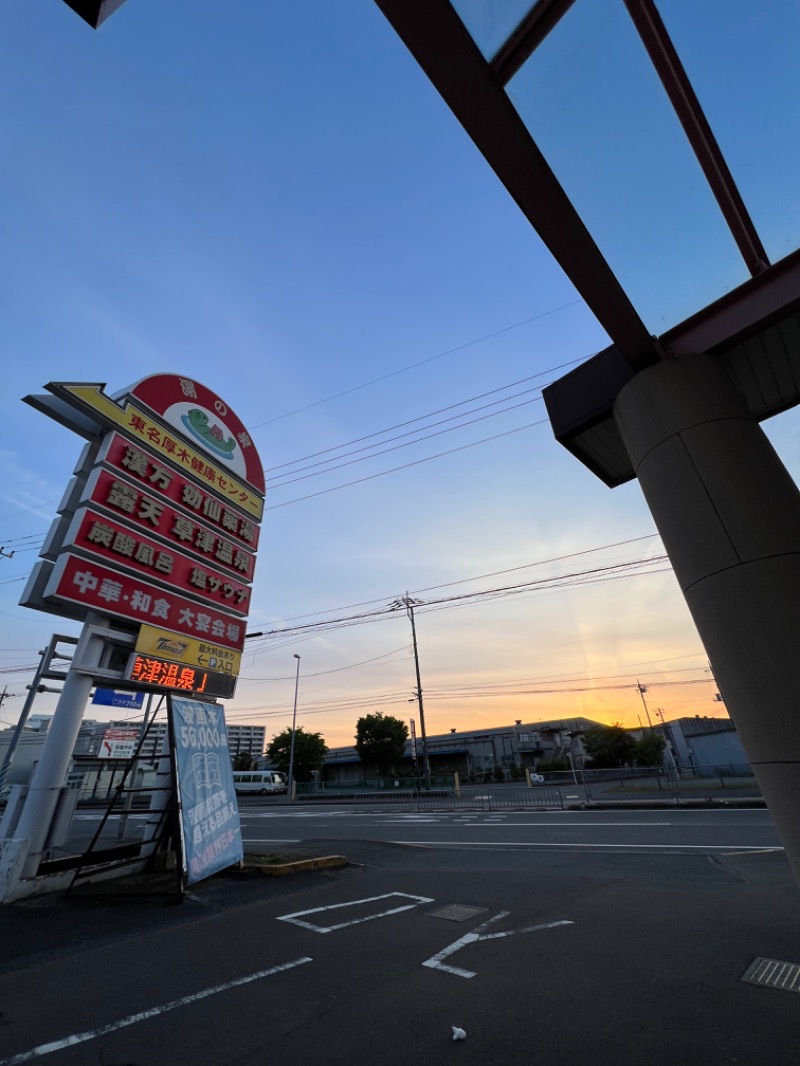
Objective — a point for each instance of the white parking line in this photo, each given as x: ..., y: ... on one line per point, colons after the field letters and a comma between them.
x: 132, y: 1019
x: 265, y: 840
x: 744, y: 848
x: 535, y: 825
x: 298, y: 916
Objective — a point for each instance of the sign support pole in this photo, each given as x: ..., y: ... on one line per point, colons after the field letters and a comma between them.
x: 133, y: 770
x: 51, y: 772
x: 44, y: 664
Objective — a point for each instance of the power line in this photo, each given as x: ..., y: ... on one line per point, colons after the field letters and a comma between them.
x: 483, y: 577
x: 27, y: 510
x: 405, y: 466
x: 420, y: 362
x: 289, y: 479
x: 556, y: 581
x: 395, y: 447
x: 431, y: 414
x: 561, y: 691
x: 335, y: 670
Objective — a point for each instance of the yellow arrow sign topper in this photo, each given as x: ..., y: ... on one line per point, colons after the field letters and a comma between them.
x: 136, y: 423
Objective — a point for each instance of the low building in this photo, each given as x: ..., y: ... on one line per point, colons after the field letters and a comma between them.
x: 103, y: 750
x: 477, y: 753
x: 706, y: 745
x: 27, y: 755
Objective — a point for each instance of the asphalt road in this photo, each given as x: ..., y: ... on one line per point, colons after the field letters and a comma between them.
x: 266, y: 824
x: 652, y: 830
x: 609, y: 938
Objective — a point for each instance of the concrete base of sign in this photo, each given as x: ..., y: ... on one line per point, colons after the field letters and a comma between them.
x: 13, y: 854
x: 13, y: 886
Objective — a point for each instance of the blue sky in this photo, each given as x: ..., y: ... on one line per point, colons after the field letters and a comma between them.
x: 279, y: 205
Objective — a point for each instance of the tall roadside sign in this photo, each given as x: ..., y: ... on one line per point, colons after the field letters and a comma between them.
x: 153, y: 550
x: 159, y: 527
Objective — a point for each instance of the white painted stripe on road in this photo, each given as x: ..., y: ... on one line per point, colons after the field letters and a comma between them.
x: 752, y: 851
x: 132, y: 1019
x: 111, y: 817
x: 264, y: 840
x: 436, y: 962
x: 296, y: 918
x: 534, y: 825
x: 745, y: 848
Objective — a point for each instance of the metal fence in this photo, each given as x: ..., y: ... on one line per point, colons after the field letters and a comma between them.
x: 540, y: 798
x: 385, y: 786
x: 656, y: 782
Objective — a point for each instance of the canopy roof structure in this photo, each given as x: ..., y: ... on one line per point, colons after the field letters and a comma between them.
x: 654, y: 150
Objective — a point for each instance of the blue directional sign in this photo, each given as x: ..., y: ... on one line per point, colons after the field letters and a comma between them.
x: 112, y: 697
x: 212, y: 836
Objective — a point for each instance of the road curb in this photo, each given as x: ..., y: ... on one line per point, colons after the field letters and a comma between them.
x: 700, y: 803
x: 322, y: 862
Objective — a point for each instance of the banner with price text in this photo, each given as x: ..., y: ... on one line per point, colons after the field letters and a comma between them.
x: 212, y: 835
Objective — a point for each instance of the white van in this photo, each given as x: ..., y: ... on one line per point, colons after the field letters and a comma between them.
x: 259, y: 781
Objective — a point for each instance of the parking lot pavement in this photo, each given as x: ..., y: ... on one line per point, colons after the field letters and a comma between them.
x: 624, y: 959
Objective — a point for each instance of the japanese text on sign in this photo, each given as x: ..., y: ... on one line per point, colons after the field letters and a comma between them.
x: 158, y: 673
x: 95, y: 586
x: 147, y: 470
x: 93, y: 533
x: 139, y: 425
x: 212, y: 836
x: 132, y: 505
x: 153, y: 640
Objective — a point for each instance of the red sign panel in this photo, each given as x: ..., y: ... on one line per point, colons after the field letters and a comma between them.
x: 150, y: 513
x: 120, y: 545
x: 111, y: 592
x: 147, y: 469
x: 204, y: 418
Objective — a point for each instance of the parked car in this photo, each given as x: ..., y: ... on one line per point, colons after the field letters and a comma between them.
x: 537, y: 779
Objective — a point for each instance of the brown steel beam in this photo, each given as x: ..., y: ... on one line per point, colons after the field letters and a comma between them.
x: 742, y: 313
x: 527, y: 37
x: 682, y: 96
x: 439, y: 41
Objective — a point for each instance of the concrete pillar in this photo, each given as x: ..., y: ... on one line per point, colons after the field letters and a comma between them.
x: 729, y: 516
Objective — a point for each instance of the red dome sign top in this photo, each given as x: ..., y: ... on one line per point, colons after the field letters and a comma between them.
x: 199, y: 414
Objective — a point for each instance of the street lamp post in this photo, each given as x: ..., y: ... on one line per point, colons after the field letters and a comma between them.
x: 290, y: 779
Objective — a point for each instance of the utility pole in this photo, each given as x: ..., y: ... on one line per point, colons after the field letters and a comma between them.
x: 642, y: 689
x: 717, y: 695
x: 409, y: 604
x: 290, y: 790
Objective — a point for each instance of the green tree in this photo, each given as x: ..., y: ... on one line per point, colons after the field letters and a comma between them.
x: 309, y: 753
x: 380, y: 739
x: 649, y: 750
x: 609, y: 746
x: 243, y: 761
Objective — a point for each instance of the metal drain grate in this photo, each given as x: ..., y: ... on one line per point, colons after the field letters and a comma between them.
x: 456, y: 912
x: 773, y: 974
